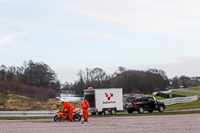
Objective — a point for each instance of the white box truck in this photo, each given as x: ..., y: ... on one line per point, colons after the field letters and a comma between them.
x: 107, y: 101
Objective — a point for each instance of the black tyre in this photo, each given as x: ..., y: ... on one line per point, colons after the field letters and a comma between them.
x: 150, y: 111
x: 106, y: 112
x: 93, y: 113
x: 77, y: 117
x: 161, y: 109
x: 130, y: 111
x: 57, y: 119
x: 141, y: 110
x: 100, y: 113
x: 113, y: 111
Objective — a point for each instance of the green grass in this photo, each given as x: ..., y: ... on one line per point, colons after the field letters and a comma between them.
x: 181, y: 106
x: 134, y: 114
x: 197, y: 88
x: 176, y: 92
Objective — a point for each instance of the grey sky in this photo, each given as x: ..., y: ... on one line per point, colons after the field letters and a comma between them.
x: 73, y: 35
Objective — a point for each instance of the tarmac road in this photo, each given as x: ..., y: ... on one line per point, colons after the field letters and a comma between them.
x: 184, y: 90
x: 185, y: 123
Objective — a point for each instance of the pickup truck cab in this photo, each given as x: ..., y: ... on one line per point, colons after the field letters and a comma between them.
x: 143, y: 103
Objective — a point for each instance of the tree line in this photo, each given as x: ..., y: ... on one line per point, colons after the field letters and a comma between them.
x: 38, y: 80
x: 36, y: 74
x: 34, y: 79
x: 132, y: 81
x: 184, y: 81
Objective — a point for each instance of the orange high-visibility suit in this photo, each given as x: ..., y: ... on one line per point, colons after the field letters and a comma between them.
x: 85, y: 106
x: 69, y: 108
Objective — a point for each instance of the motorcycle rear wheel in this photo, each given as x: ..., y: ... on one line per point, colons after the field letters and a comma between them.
x: 77, y: 117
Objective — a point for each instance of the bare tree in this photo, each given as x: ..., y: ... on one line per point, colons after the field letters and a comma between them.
x: 3, y: 70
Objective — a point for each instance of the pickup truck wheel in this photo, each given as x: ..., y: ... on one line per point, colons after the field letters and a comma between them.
x: 150, y: 111
x: 113, y: 111
x: 100, y: 113
x: 141, y: 110
x: 93, y: 113
x: 106, y: 112
x: 161, y: 109
x: 130, y: 111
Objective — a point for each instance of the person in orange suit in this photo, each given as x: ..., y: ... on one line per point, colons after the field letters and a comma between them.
x: 69, y: 108
x: 85, y: 106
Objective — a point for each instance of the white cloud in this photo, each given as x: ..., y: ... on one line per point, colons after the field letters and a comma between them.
x: 47, y: 29
x: 178, y: 18
x: 6, y: 39
x: 3, y: 1
x: 171, y: 18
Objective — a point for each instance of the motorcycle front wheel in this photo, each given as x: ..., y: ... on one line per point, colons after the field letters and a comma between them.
x: 77, y: 117
x: 56, y: 118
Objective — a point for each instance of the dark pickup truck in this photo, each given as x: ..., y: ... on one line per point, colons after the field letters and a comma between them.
x: 142, y: 103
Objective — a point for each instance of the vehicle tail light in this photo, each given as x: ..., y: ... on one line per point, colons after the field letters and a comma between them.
x: 134, y: 103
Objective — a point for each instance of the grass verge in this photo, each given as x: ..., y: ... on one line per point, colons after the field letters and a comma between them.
x: 197, y: 88
x: 181, y: 106
x: 17, y: 102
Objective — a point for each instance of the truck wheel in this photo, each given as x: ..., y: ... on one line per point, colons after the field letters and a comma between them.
x: 113, y: 111
x: 100, y: 113
x: 141, y: 110
x: 150, y: 111
x: 93, y: 113
x: 130, y: 111
x: 106, y: 112
x: 161, y: 109
x: 56, y: 118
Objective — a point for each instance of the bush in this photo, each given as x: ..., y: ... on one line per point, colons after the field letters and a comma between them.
x: 176, y: 95
x: 58, y: 105
x: 39, y: 93
x: 162, y: 95
x: 3, y: 96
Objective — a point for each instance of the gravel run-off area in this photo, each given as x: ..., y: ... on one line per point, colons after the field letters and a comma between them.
x: 186, y: 123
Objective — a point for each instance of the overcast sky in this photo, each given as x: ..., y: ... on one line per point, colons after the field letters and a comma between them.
x: 70, y: 35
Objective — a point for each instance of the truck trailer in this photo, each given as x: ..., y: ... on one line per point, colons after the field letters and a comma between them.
x: 104, y: 100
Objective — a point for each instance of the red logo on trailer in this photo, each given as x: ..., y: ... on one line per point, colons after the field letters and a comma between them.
x: 108, y: 97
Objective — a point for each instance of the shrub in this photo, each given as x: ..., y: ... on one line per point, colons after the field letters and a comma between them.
x: 58, y: 105
x: 39, y: 93
x: 3, y: 96
x: 176, y: 95
x: 162, y: 95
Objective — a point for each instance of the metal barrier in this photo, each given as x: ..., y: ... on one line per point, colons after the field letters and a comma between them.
x: 154, y: 93
x: 27, y: 113
x: 177, y: 100
x: 50, y: 113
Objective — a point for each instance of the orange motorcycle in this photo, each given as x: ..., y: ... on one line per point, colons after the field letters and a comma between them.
x: 63, y: 115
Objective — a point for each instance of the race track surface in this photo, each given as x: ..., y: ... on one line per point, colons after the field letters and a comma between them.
x: 186, y: 123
